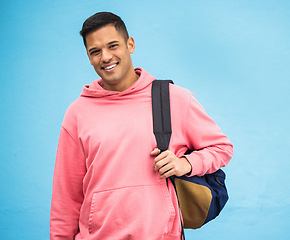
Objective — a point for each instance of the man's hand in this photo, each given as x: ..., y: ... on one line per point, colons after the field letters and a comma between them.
x: 167, y: 164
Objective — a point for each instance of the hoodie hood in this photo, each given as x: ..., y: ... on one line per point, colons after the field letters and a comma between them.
x: 95, y: 89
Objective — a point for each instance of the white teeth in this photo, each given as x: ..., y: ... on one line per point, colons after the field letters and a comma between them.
x: 110, y: 67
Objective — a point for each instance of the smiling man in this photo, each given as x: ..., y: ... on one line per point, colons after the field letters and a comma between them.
x: 109, y: 52
x: 110, y: 180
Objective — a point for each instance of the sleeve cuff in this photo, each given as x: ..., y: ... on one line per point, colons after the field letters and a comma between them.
x: 196, y: 162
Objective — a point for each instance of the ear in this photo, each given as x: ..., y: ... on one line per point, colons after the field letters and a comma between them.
x: 131, y: 44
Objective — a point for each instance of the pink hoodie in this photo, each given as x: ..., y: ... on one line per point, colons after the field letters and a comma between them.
x: 104, y: 184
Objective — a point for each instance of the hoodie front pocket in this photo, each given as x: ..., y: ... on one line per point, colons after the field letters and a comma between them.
x: 135, y: 211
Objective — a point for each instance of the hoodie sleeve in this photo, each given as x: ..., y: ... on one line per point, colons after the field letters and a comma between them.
x: 67, y: 194
x: 212, y: 149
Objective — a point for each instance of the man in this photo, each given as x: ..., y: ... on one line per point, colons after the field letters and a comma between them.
x: 110, y: 180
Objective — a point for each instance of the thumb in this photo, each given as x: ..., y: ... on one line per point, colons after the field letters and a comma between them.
x: 155, y: 152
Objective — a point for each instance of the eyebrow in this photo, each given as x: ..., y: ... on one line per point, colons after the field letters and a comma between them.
x: 110, y: 43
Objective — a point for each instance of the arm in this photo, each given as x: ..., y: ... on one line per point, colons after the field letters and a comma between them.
x: 67, y: 195
x: 211, y: 148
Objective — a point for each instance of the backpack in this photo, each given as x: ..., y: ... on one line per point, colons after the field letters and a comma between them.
x: 201, y: 198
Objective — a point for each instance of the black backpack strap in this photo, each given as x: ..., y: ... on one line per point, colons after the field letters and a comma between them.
x: 161, y: 113
x: 162, y: 119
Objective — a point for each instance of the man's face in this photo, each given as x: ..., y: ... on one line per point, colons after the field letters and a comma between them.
x: 109, y: 54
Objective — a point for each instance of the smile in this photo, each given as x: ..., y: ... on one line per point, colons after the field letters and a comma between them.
x: 110, y: 67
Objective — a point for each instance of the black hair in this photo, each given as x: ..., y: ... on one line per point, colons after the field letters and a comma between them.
x: 102, y: 19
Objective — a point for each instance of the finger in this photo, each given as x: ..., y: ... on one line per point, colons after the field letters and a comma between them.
x: 161, y: 156
x: 159, y: 164
x: 167, y: 174
x: 155, y: 152
x: 165, y: 168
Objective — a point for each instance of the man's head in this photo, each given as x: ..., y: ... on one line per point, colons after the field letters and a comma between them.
x: 102, y: 19
x: 109, y: 49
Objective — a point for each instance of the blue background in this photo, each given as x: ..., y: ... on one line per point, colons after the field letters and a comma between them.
x: 233, y: 55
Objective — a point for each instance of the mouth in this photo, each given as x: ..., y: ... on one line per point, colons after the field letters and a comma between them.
x: 110, y: 68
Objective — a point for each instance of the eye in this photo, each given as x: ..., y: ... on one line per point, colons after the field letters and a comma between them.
x: 94, y: 52
x: 113, y: 46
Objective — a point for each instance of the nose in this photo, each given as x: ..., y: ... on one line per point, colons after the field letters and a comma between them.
x: 106, y: 55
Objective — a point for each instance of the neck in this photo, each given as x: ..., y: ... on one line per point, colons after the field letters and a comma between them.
x: 124, y: 84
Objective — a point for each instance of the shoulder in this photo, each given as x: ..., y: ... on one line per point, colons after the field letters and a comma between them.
x: 179, y: 94
x: 183, y: 100
x: 72, y: 113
